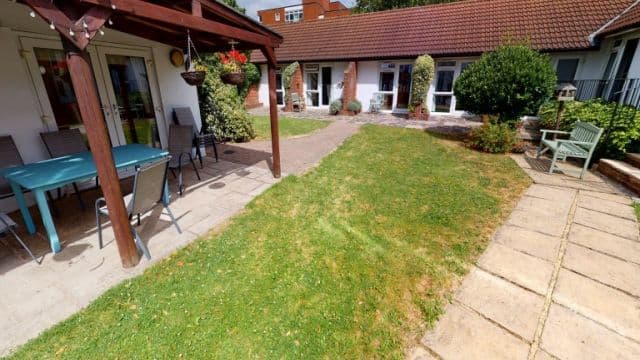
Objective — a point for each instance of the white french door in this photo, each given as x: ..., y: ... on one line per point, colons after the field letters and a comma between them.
x: 126, y: 84
x: 130, y: 96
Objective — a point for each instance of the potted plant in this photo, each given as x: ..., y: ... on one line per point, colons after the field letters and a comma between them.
x: 232, y: 63
x: 196, y: 76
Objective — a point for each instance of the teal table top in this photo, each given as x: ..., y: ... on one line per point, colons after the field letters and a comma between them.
x: 53, y: 173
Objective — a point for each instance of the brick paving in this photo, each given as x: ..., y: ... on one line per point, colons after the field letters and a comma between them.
x: 560, y: 279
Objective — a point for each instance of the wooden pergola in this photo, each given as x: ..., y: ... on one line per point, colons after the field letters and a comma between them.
x: 211, y: 25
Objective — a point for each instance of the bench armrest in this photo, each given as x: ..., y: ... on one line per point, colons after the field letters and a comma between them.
x: 545, y: 132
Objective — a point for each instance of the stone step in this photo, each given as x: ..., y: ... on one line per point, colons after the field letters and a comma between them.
x: 633, y: 159
x: 623, y: 172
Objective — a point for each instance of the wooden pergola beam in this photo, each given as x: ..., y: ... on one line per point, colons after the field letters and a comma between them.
x: 174, y: 17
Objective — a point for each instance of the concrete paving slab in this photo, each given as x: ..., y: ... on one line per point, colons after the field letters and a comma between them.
x: 525, y: 270
x: 463, y: 334
x: 538, y: 220
x: 528, y: 241
x: 617, y: 273
x: 606, y: 206
x: 419, y: 353
x: 511, y: 306
x: 571, y: 336
x: 605, y: 243
x: 622, y: 199
x: 605, y: 305
x: 543, y: 355
x: 552, y: 193
x: 607, y: 223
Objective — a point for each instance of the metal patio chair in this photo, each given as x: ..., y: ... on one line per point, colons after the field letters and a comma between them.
x: 8, y: 225
x: 297, y: 102
x: 10, y: 156
x: 376, y: 103
x: 148, y: 192
x: 184, y: 116
x: 62, y: 143
x: 180, y: 145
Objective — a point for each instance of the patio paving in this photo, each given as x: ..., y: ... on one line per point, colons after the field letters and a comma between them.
x: 560, y: 279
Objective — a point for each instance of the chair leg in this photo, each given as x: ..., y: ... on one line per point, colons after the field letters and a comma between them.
x: 199, y: 155
x: 173, y: 219
x: 195, y: 168
x: 140, y: 245
x: 553, y: 162
x: 75, y: 188
x: 138, y: 219
x: 180, y: 183
x: 584, y: 168
x: 215, y: 149
x: 99, y: 223
x: 23, y: 245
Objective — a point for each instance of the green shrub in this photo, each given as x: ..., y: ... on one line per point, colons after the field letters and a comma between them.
x: 221, y: 108
x: 287, y: 74
x: 252, y: 76
x: 619, y: 132
x: 512, y: 81
x: 335, y: 107
x: 355, y: 106
x: 493, y: 138
x: 421, y: 77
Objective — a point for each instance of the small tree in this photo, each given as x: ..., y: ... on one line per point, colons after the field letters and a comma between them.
x: 512, y: 81
x: 421, y: 78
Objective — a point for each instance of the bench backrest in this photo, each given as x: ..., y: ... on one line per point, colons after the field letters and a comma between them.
x: 586, y: 132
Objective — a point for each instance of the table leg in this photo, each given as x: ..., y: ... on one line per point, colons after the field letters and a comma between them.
x: 24, y: 210
x: 43, y: 206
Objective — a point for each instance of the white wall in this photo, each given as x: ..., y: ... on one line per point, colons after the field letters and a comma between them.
x: 263, y: 88
x: 367, y: 82
x: 21, y: 113
x: 337, y: 76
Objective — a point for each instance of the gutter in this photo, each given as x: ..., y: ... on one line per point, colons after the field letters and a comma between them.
x: 593, y: 35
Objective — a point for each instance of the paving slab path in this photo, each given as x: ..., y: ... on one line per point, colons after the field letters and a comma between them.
x: 560, y: 280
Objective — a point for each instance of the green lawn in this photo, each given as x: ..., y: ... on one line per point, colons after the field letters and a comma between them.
x: 288, y: 126
x: 346, y: 261
x: 636, y: 206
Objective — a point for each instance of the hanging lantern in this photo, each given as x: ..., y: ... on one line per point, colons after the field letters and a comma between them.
x: 232, y: 63
x: 194, y: 74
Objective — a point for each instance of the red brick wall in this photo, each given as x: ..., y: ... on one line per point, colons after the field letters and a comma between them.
x: 253, y: 98
x: 312, y: 9
x: 295, y: 87
x: 350, y: 85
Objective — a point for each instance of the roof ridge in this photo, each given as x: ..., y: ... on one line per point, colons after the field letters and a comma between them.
x: 593, y: 35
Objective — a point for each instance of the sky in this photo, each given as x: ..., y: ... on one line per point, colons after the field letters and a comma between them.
x: 253, y: 6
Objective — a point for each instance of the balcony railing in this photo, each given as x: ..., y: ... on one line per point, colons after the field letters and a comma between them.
x: 624, y: 91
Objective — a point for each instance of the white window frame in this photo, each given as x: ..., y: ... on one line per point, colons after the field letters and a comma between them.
x: 432, y: 90
x: 277, y: 16
x: 293, y: 15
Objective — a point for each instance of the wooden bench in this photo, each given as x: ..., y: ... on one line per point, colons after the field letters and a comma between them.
x: 581, y: 144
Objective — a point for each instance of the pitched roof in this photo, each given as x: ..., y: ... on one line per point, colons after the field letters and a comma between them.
x: 628, y: 19
x: 459, y: 28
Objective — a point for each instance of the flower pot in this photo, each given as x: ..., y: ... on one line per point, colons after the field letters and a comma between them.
x: 194, y: 78
x: 232, y: 78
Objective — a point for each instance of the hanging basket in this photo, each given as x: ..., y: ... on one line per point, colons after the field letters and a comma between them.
x: 236, y: 78
x: 194, y: 78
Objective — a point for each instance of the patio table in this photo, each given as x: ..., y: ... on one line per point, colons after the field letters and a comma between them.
x: 42, y: 176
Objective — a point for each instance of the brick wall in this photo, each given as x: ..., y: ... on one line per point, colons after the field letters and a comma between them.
x: 295, y: 87
x: 350, y: 85
x: 253, y: 98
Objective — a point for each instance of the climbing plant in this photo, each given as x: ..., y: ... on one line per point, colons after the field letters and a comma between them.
x: 423, y: 71
x: 288, y: 74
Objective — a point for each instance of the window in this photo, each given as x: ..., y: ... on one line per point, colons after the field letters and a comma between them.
x: 566, y: 70
x: 292, y: 16
x: 279, y: 89
x: 313, y: 93
x: 277, y: 15
x: 443, y: 94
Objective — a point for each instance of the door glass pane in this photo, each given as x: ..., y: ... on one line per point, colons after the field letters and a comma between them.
x: 278, y: 81
x: 133, y: 94
x: 445, y: 81
x: 404, y: 86
x: 442, y: 103
x: 566, y: 70
x: 55, y: 75
x: 387, y: 101
x: 279, y: 90
x: 386, y: 81
x: 312, y: 82
x: 314, y: 98
x: 326, y: 85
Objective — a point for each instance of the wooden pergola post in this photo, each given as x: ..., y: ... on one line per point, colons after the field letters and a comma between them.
x: 272, y: 63
x: 84, y: 85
